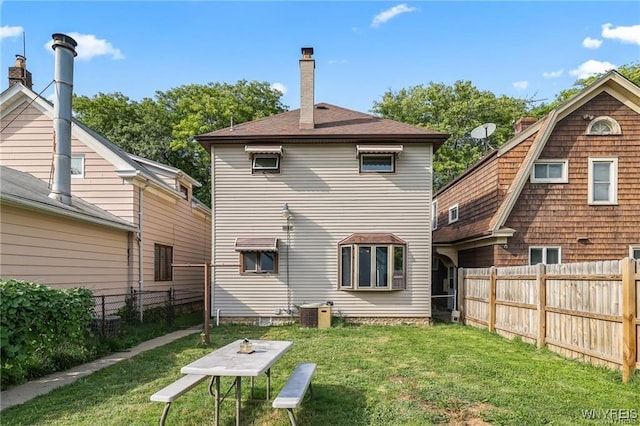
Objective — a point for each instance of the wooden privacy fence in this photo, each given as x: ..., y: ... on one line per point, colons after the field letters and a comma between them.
x: 587, y: 311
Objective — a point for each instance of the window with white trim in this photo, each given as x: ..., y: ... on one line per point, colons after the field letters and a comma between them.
x: 377, y: 163
x: 264, y: 158
x: 634, y: 252
x: 546, y: 255
x: 453, y: 213
x: 367, y: 265
x: 77, y: 165
x: 603, y: 180
x: 603, y: 126
x: 434, y: 215
x: 268, y: 163
x: 550, y: 171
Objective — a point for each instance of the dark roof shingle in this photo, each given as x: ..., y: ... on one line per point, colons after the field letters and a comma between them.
x: 331, y: 123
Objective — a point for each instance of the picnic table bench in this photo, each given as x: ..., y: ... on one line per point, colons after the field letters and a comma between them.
x: 294, y: 390
x: 172, y: 392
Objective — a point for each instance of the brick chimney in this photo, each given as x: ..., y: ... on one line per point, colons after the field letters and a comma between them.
x: 19, y: 73
x: 524, y: 122
x: 307, y: 70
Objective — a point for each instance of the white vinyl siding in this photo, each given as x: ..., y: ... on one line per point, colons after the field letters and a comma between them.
x: 329, y: 200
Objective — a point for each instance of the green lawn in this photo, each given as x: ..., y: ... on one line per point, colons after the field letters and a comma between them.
x: 366, y: 375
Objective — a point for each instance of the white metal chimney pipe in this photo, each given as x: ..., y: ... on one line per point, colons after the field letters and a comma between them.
x: 64, y: 48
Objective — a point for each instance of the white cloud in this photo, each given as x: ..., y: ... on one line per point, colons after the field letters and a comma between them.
x: 388, y: 14
x: 280, y: 87
x: 592, y: 67
x: 591, y: 43
x: 624, y: 34
x: 89, y: 46
x: 521, y: 85
x: 7, y: 32
x: 552, y: 74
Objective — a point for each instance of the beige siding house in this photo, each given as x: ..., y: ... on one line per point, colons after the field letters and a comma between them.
x: 62, y: 246
x: 322, y: 204
x: 165, y: 223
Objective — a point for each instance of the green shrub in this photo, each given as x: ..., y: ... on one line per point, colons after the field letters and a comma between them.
x: 41, y: 328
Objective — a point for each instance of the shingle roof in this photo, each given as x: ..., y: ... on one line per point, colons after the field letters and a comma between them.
x: 332, y: 123
x: 26, y: 190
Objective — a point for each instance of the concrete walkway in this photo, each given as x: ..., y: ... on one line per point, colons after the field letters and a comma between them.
x: 23, y: 393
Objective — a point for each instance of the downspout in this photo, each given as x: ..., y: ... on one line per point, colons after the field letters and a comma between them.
x: 140, y: 250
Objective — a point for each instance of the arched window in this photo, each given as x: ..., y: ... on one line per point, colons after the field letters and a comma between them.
x: 603, y: 126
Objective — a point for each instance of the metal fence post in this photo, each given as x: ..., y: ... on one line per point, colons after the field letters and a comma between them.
x: 104, y: 318
x: 170, y: 313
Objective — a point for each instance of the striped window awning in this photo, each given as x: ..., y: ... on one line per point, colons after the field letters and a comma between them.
x: 256, y: 244
x: 379, y: 149
x: 263, y: 149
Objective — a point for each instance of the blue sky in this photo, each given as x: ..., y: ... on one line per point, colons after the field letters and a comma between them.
x: 523, y: 49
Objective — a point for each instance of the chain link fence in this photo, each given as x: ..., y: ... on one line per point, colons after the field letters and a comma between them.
x: 113, y: 312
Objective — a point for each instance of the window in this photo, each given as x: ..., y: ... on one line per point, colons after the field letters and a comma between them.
x: 453, y: 214
x: 258, y: 255
x: 269, y: 163
x: 372, y: 262
x: 184, y: 191
x: 549, y: 171
x: 264, y: 158
x: 634, y: 252
x: 603, y: 126
x: 434, y: 215
x: 162, y: 263
x: 259, y: 262
x: 546, y: 255
x: 384, y: 163
x: 77, y: 165
x: 603, y: 181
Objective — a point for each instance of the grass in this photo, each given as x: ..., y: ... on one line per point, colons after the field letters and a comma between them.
x: 366, y: 375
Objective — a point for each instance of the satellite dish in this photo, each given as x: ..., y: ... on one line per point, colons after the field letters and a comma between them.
x: 483, y: 131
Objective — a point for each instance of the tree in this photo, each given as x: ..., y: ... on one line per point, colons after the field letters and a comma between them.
x: 456, y: 110
x: 162, y: 129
